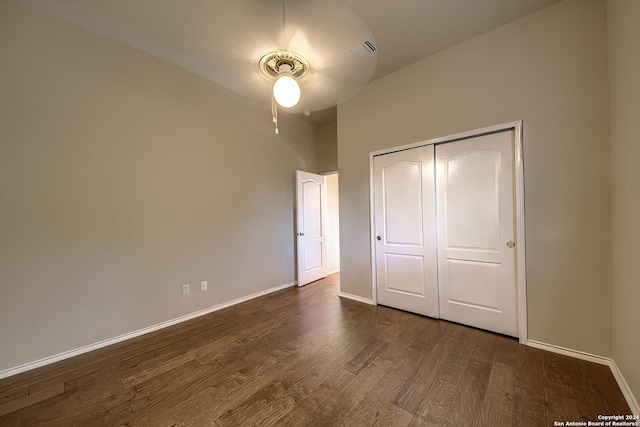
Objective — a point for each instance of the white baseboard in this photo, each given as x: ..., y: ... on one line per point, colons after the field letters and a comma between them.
x: 569, y: 352
x: 335, y: 270
x: 356, y: 298
x: 624, y: 387
x: 622, y: 383
x: 71, y: 353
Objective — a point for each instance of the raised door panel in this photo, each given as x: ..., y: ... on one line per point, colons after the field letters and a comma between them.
x: 312, y: 212
x: 405, y: 274
x: 403, y: 207
x: 474, y: 284
x: 472, y: 186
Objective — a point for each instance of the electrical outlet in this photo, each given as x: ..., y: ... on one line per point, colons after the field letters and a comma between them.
x: 203, y: 285
x: 185, y: 289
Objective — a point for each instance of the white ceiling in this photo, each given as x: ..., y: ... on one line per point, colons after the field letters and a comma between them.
x: 222, y: 40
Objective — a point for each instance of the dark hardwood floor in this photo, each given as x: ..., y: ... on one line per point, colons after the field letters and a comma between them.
x: 304, y: 356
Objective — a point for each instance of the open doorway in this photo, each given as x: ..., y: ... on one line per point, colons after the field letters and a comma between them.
x: 333, y: 224
x: 317, y: 226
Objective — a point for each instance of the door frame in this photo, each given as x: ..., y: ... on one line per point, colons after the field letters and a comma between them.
x: 520, y: 264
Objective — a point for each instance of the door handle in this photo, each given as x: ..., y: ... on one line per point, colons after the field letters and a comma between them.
x: 511, y: 244
x: 299, y: 234
x: 379, y: 238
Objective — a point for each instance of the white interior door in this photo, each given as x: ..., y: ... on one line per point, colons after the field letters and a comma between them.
x: 406, y: 275
x: 310, y: 227
x: 476, y: 232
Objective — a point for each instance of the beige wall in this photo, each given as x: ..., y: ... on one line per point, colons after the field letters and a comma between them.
x: 550, y: 70
x: 624, y: 70
x: 327, y: 150
x: 122, y: 178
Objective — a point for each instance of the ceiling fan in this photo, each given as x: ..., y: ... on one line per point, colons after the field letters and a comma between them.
x: 320, y: 43
x: 286, y: 67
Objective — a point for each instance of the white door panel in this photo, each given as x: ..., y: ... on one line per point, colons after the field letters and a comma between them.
x: 310, y: 207
x: 473, y: 284
x: 406, y: 275
x: 471, y: 183
x: 312, y: 256
x: 403, y: 207
x: 474, y: 179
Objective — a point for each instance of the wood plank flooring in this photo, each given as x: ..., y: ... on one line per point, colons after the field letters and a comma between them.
x: 304, y: 356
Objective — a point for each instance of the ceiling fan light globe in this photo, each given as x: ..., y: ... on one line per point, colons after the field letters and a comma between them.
x: 286, y: 91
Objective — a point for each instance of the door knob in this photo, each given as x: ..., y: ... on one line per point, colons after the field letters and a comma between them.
x: 299, y: 234
x: 511, y: 244
x: 379, y: 238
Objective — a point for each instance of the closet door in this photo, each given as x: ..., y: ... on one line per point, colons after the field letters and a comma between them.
x: 476, y: 232
x: 405, y: 245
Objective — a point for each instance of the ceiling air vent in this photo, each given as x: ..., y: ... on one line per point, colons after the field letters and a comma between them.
x: 366, y: 47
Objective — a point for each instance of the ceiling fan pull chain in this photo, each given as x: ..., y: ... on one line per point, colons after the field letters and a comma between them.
x: 274, y: 112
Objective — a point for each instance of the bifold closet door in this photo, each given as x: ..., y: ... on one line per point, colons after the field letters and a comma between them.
x: 476, y: 232
x: 405, y: 245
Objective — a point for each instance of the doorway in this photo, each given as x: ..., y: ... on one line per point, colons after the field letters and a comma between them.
x: 448, y: 229
x: 333, y: 223
x: 317, y: 226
